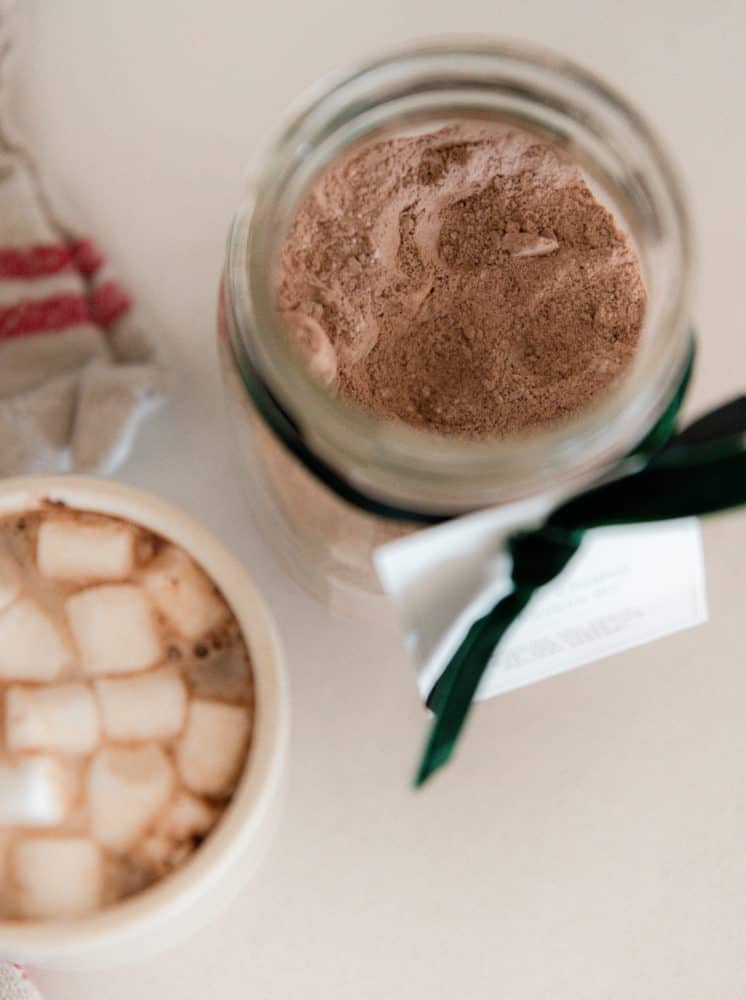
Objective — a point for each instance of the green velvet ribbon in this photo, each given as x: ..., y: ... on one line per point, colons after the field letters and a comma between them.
x: 700, y: 471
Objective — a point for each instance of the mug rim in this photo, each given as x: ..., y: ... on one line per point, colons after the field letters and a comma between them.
x: 138, y: 916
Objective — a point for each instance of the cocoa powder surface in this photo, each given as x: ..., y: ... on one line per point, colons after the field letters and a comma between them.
x: 466, y: 281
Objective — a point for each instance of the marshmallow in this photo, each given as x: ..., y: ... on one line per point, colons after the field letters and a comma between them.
x: 35, y: 791
x: 174, y: 839
x: 163, y: 855
x: 59, y: 717
x: 56, y: 876
x: 149, y: 706
x: 10, y: 581
x: 211, y: 752
x: 188, y: 817
x: 73, y: 550
x: 127, y: 788
x: 184, y: 594
x: 114, y: 629
x: 31, y: 646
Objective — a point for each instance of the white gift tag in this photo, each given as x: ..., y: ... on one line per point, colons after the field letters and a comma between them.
x: 625, y: 587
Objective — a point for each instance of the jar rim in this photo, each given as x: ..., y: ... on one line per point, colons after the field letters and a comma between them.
x: 396, y: 461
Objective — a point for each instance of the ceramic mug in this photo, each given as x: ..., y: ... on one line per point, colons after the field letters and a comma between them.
x: 165, y: 913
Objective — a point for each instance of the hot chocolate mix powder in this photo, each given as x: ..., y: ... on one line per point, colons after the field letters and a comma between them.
x: 466, y: 281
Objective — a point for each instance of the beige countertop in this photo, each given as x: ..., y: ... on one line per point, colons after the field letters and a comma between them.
x: 589, y: 843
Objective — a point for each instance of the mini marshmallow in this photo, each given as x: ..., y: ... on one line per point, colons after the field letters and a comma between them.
x: 73, y: 550
x: 211, y: 752
x: 184, y: 593
x: 114, y: 629
x: 59, y: 717
x: 31, y: 646
x: 157, y: 853
x: 10, y: 581
x: 127, y: 788
x: 56, y: 876
x: 163, y: 854
x: 149, y: 706
x: 188, y: 817
x: 35, y: 791
x: 174, y: 838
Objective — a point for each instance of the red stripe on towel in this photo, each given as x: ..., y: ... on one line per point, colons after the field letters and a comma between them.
x: 88, y: 258
x: 44, y: 259
x: 108, y: 302
x: 46, y: 316
x: 36, y: 261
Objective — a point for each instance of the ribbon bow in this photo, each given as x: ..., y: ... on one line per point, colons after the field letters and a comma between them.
x: 699, y: 471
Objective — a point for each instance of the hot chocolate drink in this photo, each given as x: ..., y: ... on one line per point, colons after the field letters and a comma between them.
x: 127, y: 708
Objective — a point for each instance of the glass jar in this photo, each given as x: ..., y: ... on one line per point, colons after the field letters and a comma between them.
x: 328, y: 481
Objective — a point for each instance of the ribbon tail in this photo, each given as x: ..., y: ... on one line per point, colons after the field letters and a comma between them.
x: 452, y: 696
x: 723, y: 422
x: 683, y: 482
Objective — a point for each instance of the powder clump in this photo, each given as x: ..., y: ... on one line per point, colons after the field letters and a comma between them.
x: 465, y: 281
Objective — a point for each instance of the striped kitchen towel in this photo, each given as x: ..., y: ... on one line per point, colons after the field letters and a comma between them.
x: 15, y: 983
x: 77, y: 366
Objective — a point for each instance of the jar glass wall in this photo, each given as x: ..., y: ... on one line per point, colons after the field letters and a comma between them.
x: 327, y: 542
